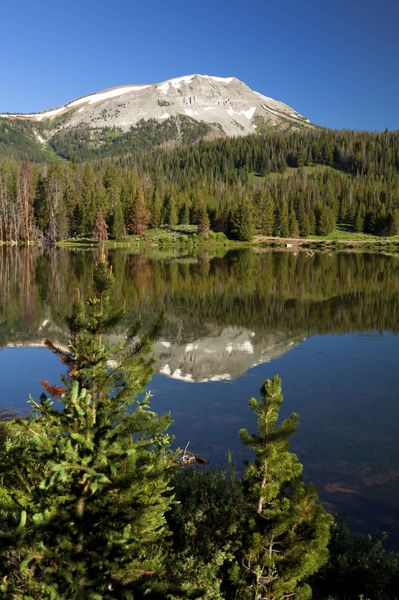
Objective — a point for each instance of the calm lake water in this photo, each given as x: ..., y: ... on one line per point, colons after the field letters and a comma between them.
x: 327, y: 324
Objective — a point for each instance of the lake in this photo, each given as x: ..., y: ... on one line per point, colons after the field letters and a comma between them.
x: 327, y: 323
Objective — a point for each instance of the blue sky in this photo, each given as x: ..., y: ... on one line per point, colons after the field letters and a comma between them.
x: 335, y: 61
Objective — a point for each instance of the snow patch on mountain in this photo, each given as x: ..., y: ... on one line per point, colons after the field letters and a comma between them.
x: 100, y: 96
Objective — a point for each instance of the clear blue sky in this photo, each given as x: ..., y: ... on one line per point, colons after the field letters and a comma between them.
x: 335, y: 61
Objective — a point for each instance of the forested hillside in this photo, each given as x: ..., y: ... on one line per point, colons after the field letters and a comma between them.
x: 281, y: 183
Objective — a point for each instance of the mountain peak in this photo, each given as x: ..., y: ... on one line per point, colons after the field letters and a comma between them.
x: 185, y: 108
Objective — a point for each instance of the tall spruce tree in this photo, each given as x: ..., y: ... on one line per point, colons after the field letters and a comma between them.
x: 156, y: 209
x: 265, y: 210
x: 171, y: 218
x: 84, y: 482
x: 286, y: 530
x: 204, y: 223
x: 241, y: 222
x: 118, y: 230
x: 283, y: 226
x: 325, y: 220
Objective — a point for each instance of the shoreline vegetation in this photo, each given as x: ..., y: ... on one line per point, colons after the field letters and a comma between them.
x: 189, y: 237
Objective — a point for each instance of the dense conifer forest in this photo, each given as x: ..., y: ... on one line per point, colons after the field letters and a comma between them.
x: 288, y: 184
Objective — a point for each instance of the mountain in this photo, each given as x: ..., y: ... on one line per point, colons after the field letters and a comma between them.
x: 130, y: 117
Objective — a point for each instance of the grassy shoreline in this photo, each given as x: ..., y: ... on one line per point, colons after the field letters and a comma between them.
x: 186, y: 237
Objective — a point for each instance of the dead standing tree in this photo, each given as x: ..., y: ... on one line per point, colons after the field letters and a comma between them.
x: 140, y: 216
x: 100, y: 232
x: 55, y: 193
x: 25, y: 198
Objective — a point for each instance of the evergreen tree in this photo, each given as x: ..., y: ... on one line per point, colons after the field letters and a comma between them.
x: 359, y: 219
x: 184, y: 214
x: 325, y: 219
x: 118, y: 230
x: 156, y: 210
x: 241, y: 223
x: 76, y: 225
x: 84, y: 486
x: 204, y: 223
x: 293, y: 224
x: 286, y: 530
x: 283, y: 221
x: 265, y: 210
x: 171, y: 218
x: 306, y: 228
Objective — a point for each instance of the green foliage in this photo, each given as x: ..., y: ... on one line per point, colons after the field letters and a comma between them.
x: 282, y: 224
x: 118, y: 231
x: 325, y: 220
x: 241, y: 223
x: 82, y: 142
x: 19, y: 142
x: 84, y: 486
x: 358, y: 567
x: 204, y: 223
x: 171, y: 211
x: 205, y: 522
x: 286, y: 530
x: 266, y: 213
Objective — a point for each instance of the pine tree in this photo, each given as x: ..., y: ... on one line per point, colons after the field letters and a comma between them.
x: 325, y: 220
x: 156, y: 210
x: 241, y: 224
x: 283, y: 221
x: 171, y: 218
x: 84, y: 486
x: 286, y: 530
x: 265, y: 210
x: 184, y: 214
x: 204, y: 223
x: 118, y: 230
x: 359, y: 219
x: 306, y: 226
x: 293, y: 224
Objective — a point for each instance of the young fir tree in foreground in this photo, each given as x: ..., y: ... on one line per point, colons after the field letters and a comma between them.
x: 259, y: 538
x: 84, y: 484
x: 285, y: 529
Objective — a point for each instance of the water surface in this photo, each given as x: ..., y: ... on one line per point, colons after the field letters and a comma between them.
x: 326, y: 324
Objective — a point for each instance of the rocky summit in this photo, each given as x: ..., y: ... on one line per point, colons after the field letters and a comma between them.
x: 226, y: 104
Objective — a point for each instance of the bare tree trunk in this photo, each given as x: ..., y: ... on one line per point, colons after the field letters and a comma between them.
x: 25, y: 200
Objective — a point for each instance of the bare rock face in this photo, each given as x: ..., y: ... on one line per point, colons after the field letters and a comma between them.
x: 227, y: 105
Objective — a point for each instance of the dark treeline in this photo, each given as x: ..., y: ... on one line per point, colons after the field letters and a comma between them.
x: 283, y: 184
